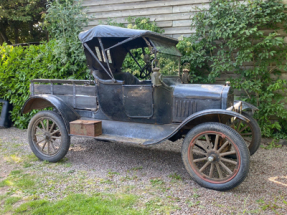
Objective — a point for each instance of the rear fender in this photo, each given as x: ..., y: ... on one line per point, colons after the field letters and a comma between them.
x: 39, y: 102
x: 201, y: 117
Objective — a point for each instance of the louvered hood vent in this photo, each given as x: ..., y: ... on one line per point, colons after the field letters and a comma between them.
x: 191, y: 98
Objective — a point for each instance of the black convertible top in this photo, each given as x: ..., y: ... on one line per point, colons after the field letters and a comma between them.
x: 117, y: 42
x: 118, y: 32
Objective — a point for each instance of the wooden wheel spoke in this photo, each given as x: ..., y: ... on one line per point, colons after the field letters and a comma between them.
x: 219, y: 171
x: 223, y: 146
x: 37, y: 127
x: 204, y: 166
x: 225, y: 167
x: 238, y: 125
x: 39, y: 134
x: 52, y: 126
x: 229, y: 161
x: 227, y: 153
x: 42, y: 123
x: 55, y: 132
x: 243, y: 128
x: 211, y: 170
x: 208, y: 141
x: 40, y: 141
x: 199, y: 160
x: 216, y: 142
x: 52, y: 144
x: 199, y: 143
x: 47, y: 125
x: 53, y: 137
x: 198, y: 152
x: 44, y: 145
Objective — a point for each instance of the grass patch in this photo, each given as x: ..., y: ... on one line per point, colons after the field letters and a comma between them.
x: 21, y: 181
x: 12, y: 200
x: 137, y: 168
x: 31, y: 158
x: 83, y: 204
x: 156, y: 182
x: 27, y: 164
x: 175, y: 176
x: 13, y: 158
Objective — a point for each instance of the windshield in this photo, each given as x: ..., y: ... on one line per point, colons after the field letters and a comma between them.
x: 165, y: 48
x: 168, y: 64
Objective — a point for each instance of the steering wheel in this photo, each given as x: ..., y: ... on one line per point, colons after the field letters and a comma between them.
x: 146, y: 71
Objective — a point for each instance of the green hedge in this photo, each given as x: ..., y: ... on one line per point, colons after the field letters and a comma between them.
x: 19, y: 65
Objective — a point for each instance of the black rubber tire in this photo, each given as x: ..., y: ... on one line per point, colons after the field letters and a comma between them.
x: 65, y: 138
x: 254, y: 146
x: 238, y: 141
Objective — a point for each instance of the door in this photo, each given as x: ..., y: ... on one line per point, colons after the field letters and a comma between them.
x: 138, y: 101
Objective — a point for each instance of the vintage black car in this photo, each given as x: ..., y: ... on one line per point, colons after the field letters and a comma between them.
x: 116, y: 106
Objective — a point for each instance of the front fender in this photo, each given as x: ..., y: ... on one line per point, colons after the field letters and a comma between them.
x: 43, y: 101
x: 247, y: 106
x: 196, y: 116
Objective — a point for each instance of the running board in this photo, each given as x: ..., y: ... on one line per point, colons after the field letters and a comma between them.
x: 129, y: 132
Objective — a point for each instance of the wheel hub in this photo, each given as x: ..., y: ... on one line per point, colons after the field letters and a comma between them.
x: 213, y: 157
x: 210, y: 158
x: 47, y: 136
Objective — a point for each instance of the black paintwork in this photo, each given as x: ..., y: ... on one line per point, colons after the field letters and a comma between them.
x: 43, y: 101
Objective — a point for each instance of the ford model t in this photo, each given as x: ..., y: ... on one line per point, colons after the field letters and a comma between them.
x: 115, y: 105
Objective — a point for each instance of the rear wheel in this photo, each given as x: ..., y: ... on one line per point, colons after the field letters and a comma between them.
x: 48, y: 136
x: 206, y: 154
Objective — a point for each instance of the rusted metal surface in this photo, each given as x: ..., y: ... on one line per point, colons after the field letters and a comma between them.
x: 91, y: 128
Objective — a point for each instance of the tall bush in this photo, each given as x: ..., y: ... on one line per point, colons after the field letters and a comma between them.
x: 230, y: 37
x: 64, y: 21
x: 60, y: 58
x: 19, y: 65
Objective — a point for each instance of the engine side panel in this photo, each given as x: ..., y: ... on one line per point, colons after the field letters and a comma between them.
x: 192, y: 98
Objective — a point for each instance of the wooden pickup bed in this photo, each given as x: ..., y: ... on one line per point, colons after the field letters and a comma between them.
x: 81, y: 94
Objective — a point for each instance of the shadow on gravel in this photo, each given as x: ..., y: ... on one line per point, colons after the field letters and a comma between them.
x: 156, y: 161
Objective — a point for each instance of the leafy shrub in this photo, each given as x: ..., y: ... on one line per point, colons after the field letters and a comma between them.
x: 229, y: 37
x: 64, y: 21
x: 19, y: 65
x: 60, y: 58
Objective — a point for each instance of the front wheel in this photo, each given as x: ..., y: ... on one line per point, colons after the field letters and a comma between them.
x: 48, y: 137
x: 206, y: 154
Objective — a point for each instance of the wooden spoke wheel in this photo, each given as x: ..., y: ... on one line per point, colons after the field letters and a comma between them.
x: 250, y: 132
x: 206, y: 154
x: 48, y: 137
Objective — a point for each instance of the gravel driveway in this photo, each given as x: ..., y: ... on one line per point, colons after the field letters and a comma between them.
x: 154, y: 173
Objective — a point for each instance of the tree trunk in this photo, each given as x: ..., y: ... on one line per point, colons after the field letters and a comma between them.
x: 16, y: 34
x: 4, y: 36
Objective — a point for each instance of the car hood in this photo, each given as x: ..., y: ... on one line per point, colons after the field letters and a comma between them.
x: 192, y: 91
